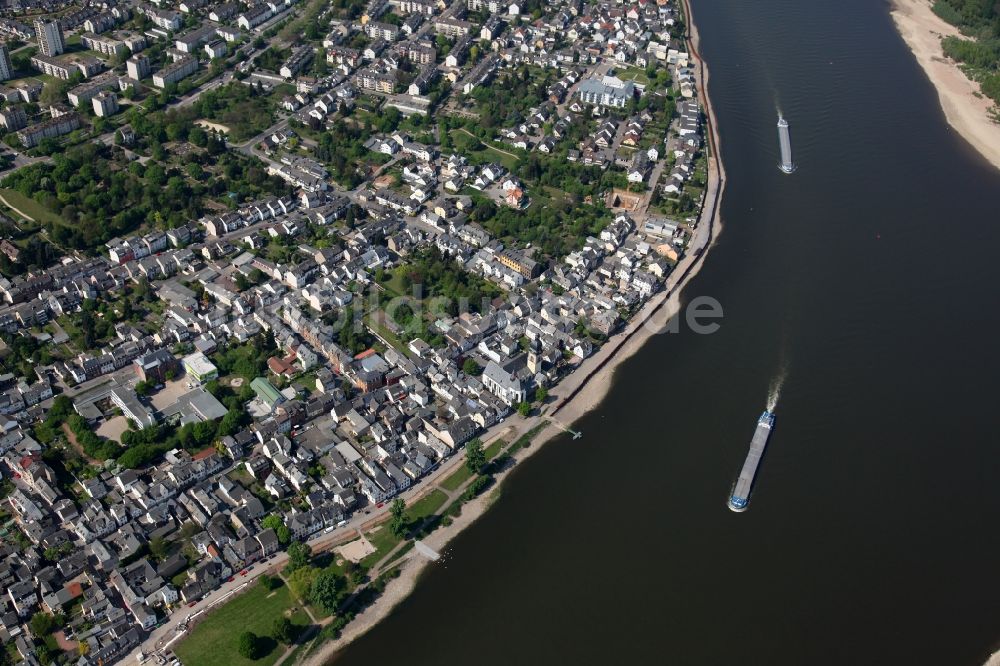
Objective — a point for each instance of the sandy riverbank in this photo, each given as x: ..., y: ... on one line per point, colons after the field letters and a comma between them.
x: 573, y: 397
x: 967, y: 111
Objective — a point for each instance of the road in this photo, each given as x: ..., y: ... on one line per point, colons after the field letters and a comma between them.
x: 642, y: 212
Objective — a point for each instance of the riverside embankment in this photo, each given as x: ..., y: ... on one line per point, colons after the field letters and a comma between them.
x: 870, y: 538
x: 582, y: 391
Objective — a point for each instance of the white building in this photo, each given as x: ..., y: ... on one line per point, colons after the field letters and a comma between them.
x: 49, y: 36
x: 105, y: 104
x: 609, y: 91
x: 503, y: 384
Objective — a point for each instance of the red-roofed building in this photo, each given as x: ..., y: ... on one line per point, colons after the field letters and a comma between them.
x: 282, y: 366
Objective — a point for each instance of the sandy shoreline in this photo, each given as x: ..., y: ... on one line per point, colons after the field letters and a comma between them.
x: 965, y: 108
x: 574, y: 396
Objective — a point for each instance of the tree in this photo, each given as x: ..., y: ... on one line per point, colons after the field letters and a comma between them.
x: 524, y: 409
x: 299, y: 555
x: 398, y: 511
x: 470, y: 367
x: 541, y: 393
x: 475, y: 457
x: 326, y: 590
x: 43, y: 624
x: 250, y: 646
x: 158, y: 547
x: 284, y: 631
x: 300, y: 582
x: 280, y: 529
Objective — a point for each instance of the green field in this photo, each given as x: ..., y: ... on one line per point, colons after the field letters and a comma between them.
x: 487, y: 154
x: 28, y: 206
x: 426, y: 506
x: 633, y: 74
x: 393, y: 285
x: 214, y: 641
x: 384, y: 541
x: 493, y: 450
x: 456, y: 479
x: 378, y: 327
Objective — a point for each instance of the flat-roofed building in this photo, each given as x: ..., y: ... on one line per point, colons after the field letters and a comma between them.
x: 105, y: 104
x: 175, y: 72
x: 132, y: 408
x: 63, y: 68
x: 13, y: 118
x: 85, y: 92
x: 199, y: 367
x: 6, y: 69
x: 608, y: 91
x: 58, y: 126
x: 108, y: 46
x: 138, y: 67
x: 49, y: 36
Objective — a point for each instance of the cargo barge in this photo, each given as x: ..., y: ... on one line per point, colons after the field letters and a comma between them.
x: 744, y: 484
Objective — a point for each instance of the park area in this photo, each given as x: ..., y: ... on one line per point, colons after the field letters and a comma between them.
x: 214, y: 641
x: 26, y: 207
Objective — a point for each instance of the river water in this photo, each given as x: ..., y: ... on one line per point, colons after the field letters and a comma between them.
x: 868, y: 282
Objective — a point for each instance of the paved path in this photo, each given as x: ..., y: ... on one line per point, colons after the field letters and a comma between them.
x: 488, y: 146
x: 3, y: 199
x: 640, y: 215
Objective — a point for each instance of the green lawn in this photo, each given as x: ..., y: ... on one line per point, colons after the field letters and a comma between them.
x: 400, y: 554
x: 426, y: 506
x: 214, y: 641
x: 456, y: 479
x: 378, y: 327
x: 488, y: 154
x: 384, y: 541
x: 509, y: 161
x: 394, y: 284
x: 29, y: 206
x: 493, y: 450
x: 633, y: 74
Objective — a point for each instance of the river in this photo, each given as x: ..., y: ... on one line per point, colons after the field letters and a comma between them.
x: 868, y: 281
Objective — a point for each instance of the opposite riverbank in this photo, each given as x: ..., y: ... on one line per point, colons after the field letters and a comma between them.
x: 577, y: 394
x: 967, y: 110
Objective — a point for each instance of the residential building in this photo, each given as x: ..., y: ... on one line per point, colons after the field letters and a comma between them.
x: 609, y: 91
x: 64, y: 124
x: 50, y: 37
x: 13, y: 118
x: 64, y: 68
x: 6, y: 69
x: 137, y: 67
x: 175, y: 72
x: 105, y: 104
x: 520, y: 262
x: 216, y: 49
